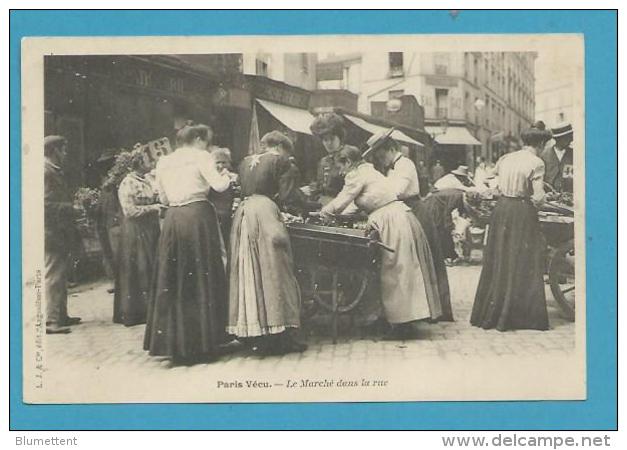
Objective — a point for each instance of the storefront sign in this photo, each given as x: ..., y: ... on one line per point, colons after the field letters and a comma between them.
x: 330, y: 71
x: 282, y: 94
x: 441, y: 81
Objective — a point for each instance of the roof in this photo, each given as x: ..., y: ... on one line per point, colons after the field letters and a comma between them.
x: 397, y: 135
x: 347, y: 57
x: 295, y: 119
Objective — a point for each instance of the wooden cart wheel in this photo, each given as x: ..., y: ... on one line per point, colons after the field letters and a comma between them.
x: 562, y: 278
x: 308, y: 288
x: 327, y: 290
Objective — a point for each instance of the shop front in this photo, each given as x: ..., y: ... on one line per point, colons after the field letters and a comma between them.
x: 104, y: 103
x: 454, y: 146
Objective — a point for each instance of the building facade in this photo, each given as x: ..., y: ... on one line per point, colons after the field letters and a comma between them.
x: 475, y: 104
x: 295, y: 69
x: 111, y: 102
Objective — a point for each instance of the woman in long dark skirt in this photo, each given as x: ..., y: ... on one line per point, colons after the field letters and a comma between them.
x: 138, y: 243
x: 440, y: 206
x: 511, y: 292
x: 187, y: 313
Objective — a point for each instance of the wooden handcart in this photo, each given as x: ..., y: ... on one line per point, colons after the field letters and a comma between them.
x: 335, y: 266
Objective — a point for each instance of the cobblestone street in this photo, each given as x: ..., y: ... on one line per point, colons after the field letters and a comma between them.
x: 98, y: 346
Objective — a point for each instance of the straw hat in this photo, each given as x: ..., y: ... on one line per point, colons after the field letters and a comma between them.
x: 562, y: 130
x: 377, y: 140
x: 461, y: 170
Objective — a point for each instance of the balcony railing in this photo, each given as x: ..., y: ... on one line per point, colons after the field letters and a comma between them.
x: 396, y: 72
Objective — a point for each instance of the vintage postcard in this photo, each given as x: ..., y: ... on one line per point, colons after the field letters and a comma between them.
x: 303, y: 218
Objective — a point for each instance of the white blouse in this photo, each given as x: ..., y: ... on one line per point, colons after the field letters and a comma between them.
x: 520, y: 174
x: 364, y: 185
x: 186, y: 176
x: 403, y: 178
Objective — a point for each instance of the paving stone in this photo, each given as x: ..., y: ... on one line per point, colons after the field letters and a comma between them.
x: 98, y: 344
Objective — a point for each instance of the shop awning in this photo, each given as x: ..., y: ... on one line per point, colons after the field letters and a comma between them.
x: 452, y: 136
x: 295, y: 119
x: 372, y: 128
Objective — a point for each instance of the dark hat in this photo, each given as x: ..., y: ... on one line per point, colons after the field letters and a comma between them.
x: 562, y: 129
x: 377, y: 140
x: 330, y: 123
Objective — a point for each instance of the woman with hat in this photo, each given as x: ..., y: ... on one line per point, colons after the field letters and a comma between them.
x: 408, y: 289
x: 330, y: 129
x: 402, y: 176
x: 139, y: 235
x: 264, y: 299
x: 510, y: 294
x: 456, y: 179
x: 187, y: 313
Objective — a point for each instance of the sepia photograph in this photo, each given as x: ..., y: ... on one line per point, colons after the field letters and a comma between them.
x: 303, y: 218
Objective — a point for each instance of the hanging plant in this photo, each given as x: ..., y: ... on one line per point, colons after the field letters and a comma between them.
x: 120, y: 169
x: 86, y: 201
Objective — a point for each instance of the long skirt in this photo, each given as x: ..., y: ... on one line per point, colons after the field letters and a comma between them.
x: 136, y: 250
x: 187, y: 313
x: 511, y: 293
x: 409, y: 288
x: 433, y: 238
x: 440, y: 214
x: 263, y: 296
x: 114, y: 238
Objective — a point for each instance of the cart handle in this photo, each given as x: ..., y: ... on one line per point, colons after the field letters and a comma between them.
x: 382, y: 245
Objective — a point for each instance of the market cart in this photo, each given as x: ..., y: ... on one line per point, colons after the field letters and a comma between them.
x: 336, y: 265
x: 558, y: 229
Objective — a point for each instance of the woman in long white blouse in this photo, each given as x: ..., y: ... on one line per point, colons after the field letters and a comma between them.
x: 187, y: 314
x: 405, y: 295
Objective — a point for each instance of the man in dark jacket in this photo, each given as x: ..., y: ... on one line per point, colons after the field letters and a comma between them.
x: 60, y: 235
x: 109, y: 215
x: 558, y: 160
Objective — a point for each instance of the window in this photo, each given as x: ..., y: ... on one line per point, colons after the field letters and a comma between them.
x: 441, y: 63
x: 143, y: 77
x: 441, y: 103
x: 396, y: 64
x: 396, y: 94
x: 304, y: 63
x: 261, y: 67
